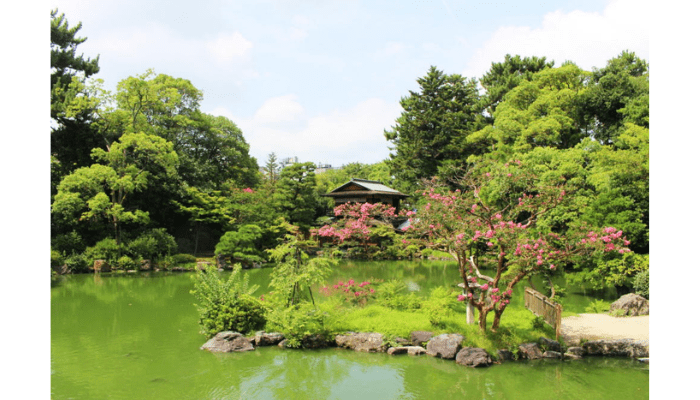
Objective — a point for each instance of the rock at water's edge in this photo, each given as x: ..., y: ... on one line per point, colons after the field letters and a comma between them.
x: 226, y: 342
x: 473, y: 357
x: 530, y: 351
x: 445, y: 346
x: 632, y: 304
x: 369, y: 342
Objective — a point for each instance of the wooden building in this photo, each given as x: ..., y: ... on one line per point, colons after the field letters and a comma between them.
x: 366, y: 191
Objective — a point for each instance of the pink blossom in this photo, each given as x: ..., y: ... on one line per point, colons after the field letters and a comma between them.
x: 248, y: 190
x: 469, y: 295
x: 488, y: 174
x: 495, y: 290
x: 510, y: 174
x: 489, y: 244
x: 551, y: 266
x: 461, y: 297
x: 484, y: 286
x: 460, y: 236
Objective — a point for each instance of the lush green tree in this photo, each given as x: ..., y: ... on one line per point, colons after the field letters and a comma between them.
x: 542, y: 112
x: 243, y: 245
x: 433, y: 127
x: 101, y: 190
x: 502, y: 77
x: 271, y: 168
x: 212, y: 149
x: 65, y: 62
x: 295, y: 197
x: 618, y: 93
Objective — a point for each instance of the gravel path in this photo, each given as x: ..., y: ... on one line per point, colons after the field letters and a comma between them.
x: 603, y: 326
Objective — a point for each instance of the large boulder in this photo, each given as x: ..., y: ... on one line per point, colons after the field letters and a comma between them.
x: 364, y: 341
x: 445, y: 346
x: 617, y: 347
x: 101, y: 266
x: 473, y: 357
x: 226, y: 342
x: 530, y: 351
x: 631, y: 304
x: 268, y: 339
x: 420, y: 338
x: 505, y: 355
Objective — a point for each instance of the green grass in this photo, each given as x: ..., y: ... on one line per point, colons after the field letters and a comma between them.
x: 516, y: 326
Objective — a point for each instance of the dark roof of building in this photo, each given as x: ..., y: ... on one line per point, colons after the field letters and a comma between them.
x: 363, y: 187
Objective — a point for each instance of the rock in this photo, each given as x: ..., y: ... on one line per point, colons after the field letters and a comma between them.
x: 550, y: 344
x: 617, y: 347
x: 505, y: 355
x: 267, y: 339
x: 578, y: 351
x: 411, y: 350
x: 221, y: 262
x: 632, y: 304
x: 570, y: 356
x: 445, y: 346
x: 643, y: 360
x: 226, y: 342
x: 551, y: 354
x: 282, y: 344
x: 530, y: 351
x: 416, y: 351
x: 145, y: 265
x: 473, y: 357
x: 402, y: 342
x: 101, y: 266
x: 364, y: 341
x: 420, y: 338
x: 316, y: 341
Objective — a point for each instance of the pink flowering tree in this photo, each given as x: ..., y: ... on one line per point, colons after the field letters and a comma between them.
x: 355, y: 221
x: 495, y: 219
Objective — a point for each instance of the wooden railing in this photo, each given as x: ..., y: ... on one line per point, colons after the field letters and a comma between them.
x: 540, y: 305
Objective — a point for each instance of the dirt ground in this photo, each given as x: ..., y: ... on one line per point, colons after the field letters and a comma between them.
x: 603, y: 326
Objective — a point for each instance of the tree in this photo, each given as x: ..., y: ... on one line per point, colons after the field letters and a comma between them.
x: 65, y: 63
x: 493, y: 222
x: 205, y: 208
x: 241, y: 245
x: 294, y: 195
x: 618, y: 93
x: 271, y: 169
x: 542, y: 112
x: 101, y: 190
x: 506, y: 75
x: 433, y: 127
x: 295, y: 270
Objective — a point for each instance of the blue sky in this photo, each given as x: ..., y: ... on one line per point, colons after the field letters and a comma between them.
x: 321, y: 80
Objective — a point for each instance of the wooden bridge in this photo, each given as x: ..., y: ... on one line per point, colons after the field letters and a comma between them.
x: 540, y: 305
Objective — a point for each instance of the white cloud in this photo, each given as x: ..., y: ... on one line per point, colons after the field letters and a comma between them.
x: 393, y: 48
x: 228, y: 46
x: 279, y: 110
x: 587, y: 38
x: 337, y: 137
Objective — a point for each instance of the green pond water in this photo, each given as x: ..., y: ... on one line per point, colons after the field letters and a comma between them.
x: 136, y: 337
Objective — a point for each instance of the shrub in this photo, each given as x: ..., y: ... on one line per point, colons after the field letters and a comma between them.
x: 298, y: 321
x: 641, y: 283
x: 440, y: 305
x: 226, y: 304
x: 79, y: 262
x: 105, y: 249
x: 353, y: 292
x: 153, y: 244
x: 598, y: 306
x: 126, y: 263
x: 57, y: 258
x: 392, y: 294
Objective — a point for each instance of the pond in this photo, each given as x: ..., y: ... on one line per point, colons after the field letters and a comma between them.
x: 136, y: 336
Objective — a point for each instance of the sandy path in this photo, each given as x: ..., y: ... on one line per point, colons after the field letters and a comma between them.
x: 603, y: 326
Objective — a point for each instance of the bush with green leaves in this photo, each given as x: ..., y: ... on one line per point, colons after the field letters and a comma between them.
x: 242, y: 245
x: 68, y: 243
x: 227, y: 305
x: 153, y: 244
x: 297, y: 322
x: 79, y: 262
x: 105, y: 249
x: 440, y: 305
x: 598, y: 306
x: 394, y: 294
x: 125, y: 263
x: 641, y: 283
x: 184, y: 259
x: 57, y: 258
